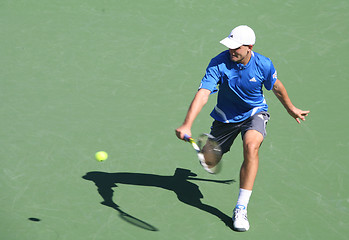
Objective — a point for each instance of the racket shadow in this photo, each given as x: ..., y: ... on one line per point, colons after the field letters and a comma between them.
x: 187, y: 192
x: 130, y: 219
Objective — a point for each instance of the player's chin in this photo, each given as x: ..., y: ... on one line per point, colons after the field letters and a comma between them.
x: 234, y: 58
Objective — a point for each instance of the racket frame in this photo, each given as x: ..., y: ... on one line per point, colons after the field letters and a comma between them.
x: 201, y: 156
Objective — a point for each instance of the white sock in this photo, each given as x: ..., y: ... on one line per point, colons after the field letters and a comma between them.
x: 244, y: 197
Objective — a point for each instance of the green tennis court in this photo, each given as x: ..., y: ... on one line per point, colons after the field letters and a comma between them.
x: 78, y: 77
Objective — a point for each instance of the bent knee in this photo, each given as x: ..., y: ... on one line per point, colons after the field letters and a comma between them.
x: 252, y: 140
x: 252, y: 147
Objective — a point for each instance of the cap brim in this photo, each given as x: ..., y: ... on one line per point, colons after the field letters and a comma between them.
x: 230, y: 43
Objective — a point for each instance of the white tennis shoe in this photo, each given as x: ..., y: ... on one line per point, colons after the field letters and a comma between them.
x: 240, y: 221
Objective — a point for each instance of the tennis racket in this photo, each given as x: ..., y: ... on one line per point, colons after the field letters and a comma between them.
x: 208, y: 151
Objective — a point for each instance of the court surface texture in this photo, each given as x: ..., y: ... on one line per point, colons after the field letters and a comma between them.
x: 78, y: 77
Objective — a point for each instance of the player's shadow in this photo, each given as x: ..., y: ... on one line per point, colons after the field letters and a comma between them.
x: 186, y: 191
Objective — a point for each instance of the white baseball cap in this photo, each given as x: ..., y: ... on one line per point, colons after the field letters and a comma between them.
x: 241, y: 35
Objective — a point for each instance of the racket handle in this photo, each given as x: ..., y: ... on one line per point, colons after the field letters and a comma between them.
x: 187, y: 137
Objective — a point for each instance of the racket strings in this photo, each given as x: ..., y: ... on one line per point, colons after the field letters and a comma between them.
x: 210, y: 148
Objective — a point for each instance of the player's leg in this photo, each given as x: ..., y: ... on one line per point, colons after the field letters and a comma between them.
x: 251, y: 142
x: 253, y: 133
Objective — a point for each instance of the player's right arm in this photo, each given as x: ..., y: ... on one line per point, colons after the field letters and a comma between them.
x: 199, y: 101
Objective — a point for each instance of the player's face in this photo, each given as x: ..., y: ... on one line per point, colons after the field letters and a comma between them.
x: 241, y: 54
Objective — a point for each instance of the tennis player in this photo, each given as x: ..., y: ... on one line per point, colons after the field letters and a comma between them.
x: 238, y: 75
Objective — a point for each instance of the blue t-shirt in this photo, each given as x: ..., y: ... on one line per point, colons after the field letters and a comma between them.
x: 240, y: 93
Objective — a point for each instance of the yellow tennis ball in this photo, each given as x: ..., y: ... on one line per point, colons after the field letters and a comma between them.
x: 101, y: 156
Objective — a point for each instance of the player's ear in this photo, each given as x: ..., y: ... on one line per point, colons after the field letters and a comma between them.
x: 249, y: 48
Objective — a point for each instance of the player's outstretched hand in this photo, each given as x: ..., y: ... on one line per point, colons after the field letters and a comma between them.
x: 298, y: 114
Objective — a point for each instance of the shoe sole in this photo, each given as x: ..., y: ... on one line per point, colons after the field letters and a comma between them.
x: 240, y: 229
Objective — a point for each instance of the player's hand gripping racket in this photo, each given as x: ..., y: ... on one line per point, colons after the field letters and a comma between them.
x: 208, y: 151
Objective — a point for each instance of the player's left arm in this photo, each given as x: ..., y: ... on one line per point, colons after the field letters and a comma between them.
x: 281, y: 93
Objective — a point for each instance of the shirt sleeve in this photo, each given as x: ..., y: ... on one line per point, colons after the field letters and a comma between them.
x: 211, y: 78
x: 271, y: 77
